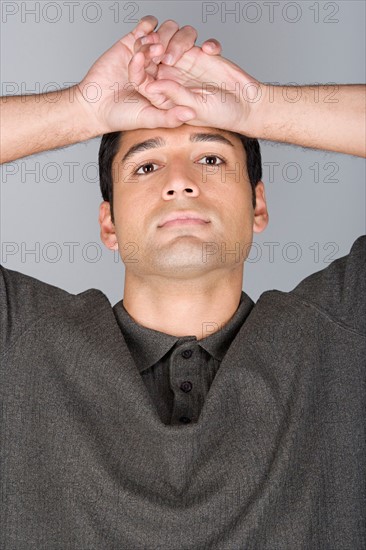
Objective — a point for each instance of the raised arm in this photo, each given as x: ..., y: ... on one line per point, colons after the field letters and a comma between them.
x: 224, y: 96
x: 33, y: 123
x: 106, y: 100
x: 323, y: 117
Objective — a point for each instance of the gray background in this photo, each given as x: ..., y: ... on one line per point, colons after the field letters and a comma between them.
x: 316, y: 199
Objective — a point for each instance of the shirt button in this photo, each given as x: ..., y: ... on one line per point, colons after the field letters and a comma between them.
x: 184, y: 419
x: 186, y: 386
x: 187, y: 353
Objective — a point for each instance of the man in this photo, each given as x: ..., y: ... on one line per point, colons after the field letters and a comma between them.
x: 186, y: 416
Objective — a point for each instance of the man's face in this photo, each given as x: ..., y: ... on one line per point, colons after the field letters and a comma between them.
x: 170, y: 173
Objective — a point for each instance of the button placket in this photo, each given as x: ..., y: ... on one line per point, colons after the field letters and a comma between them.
x: 181, y: 368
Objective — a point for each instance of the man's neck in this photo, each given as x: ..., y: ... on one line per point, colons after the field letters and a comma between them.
x: 194, y: 307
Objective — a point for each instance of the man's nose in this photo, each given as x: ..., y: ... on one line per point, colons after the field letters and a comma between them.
x: 180, y: 183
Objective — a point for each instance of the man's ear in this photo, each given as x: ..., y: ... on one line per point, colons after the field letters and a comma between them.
x: 261, y: 216
x: 107, y: 229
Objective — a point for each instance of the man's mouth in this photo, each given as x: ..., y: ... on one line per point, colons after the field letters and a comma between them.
x: 183, y: 218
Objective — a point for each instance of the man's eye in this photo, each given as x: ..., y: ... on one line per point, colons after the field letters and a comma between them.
x: 146, y: 169
x: 212, y: 160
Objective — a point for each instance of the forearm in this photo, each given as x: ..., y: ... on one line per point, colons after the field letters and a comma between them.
x: 321, y: 117
x: 34, y: 123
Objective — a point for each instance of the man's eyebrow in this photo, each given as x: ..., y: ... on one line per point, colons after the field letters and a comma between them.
x: 152, y: 143
x: 157, y: 142
x: 211, y: 137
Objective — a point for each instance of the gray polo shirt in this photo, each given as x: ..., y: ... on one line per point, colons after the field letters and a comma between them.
x: 178, y: 372
x: 275, y: 461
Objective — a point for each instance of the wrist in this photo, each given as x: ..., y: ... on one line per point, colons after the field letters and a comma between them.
x: 86, y: 114
x: 254, y: 105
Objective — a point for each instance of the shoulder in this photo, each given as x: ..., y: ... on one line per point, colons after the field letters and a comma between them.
x: 337, y: 293
x: 339, y: 290
x: 28, y: 293
x: 24, y: 300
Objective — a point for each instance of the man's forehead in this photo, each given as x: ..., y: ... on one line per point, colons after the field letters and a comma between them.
x: 182, y: 134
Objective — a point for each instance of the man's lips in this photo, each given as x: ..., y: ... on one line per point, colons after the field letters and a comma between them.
x: 183, y: 218
x: 187, y: 221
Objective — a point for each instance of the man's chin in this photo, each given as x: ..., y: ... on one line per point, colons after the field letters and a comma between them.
x: 183, y: 255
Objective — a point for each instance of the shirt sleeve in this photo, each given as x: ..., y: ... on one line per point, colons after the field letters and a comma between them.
x: 23, y: 300
x: 339, y: 290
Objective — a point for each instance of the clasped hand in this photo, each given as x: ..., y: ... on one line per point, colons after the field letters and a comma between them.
x: 157, y: 79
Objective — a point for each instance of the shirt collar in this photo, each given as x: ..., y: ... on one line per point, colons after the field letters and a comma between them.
x: 148, y: 346
x: 218, y: 343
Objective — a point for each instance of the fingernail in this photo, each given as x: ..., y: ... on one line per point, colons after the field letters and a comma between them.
x: 144, y: 40
x: 168, y: 59
x: 155, y: 60
x: 139, y: 34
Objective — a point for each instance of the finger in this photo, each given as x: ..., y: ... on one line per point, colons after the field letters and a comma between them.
x: 165, y: 93
x: 136, y: 69
x: 150, y: 55
x: 159, y: 100
x: 151, y: 117
x: 150, y: 50
x: 152, y: 38
x: 182, y: 41
x: 212, y: 47
x: 150, y: 47
x: 166, y: 31
x: 145, y: 26
x: 140, y: 65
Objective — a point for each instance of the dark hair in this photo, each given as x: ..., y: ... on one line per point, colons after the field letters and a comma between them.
x: 111, y: 142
